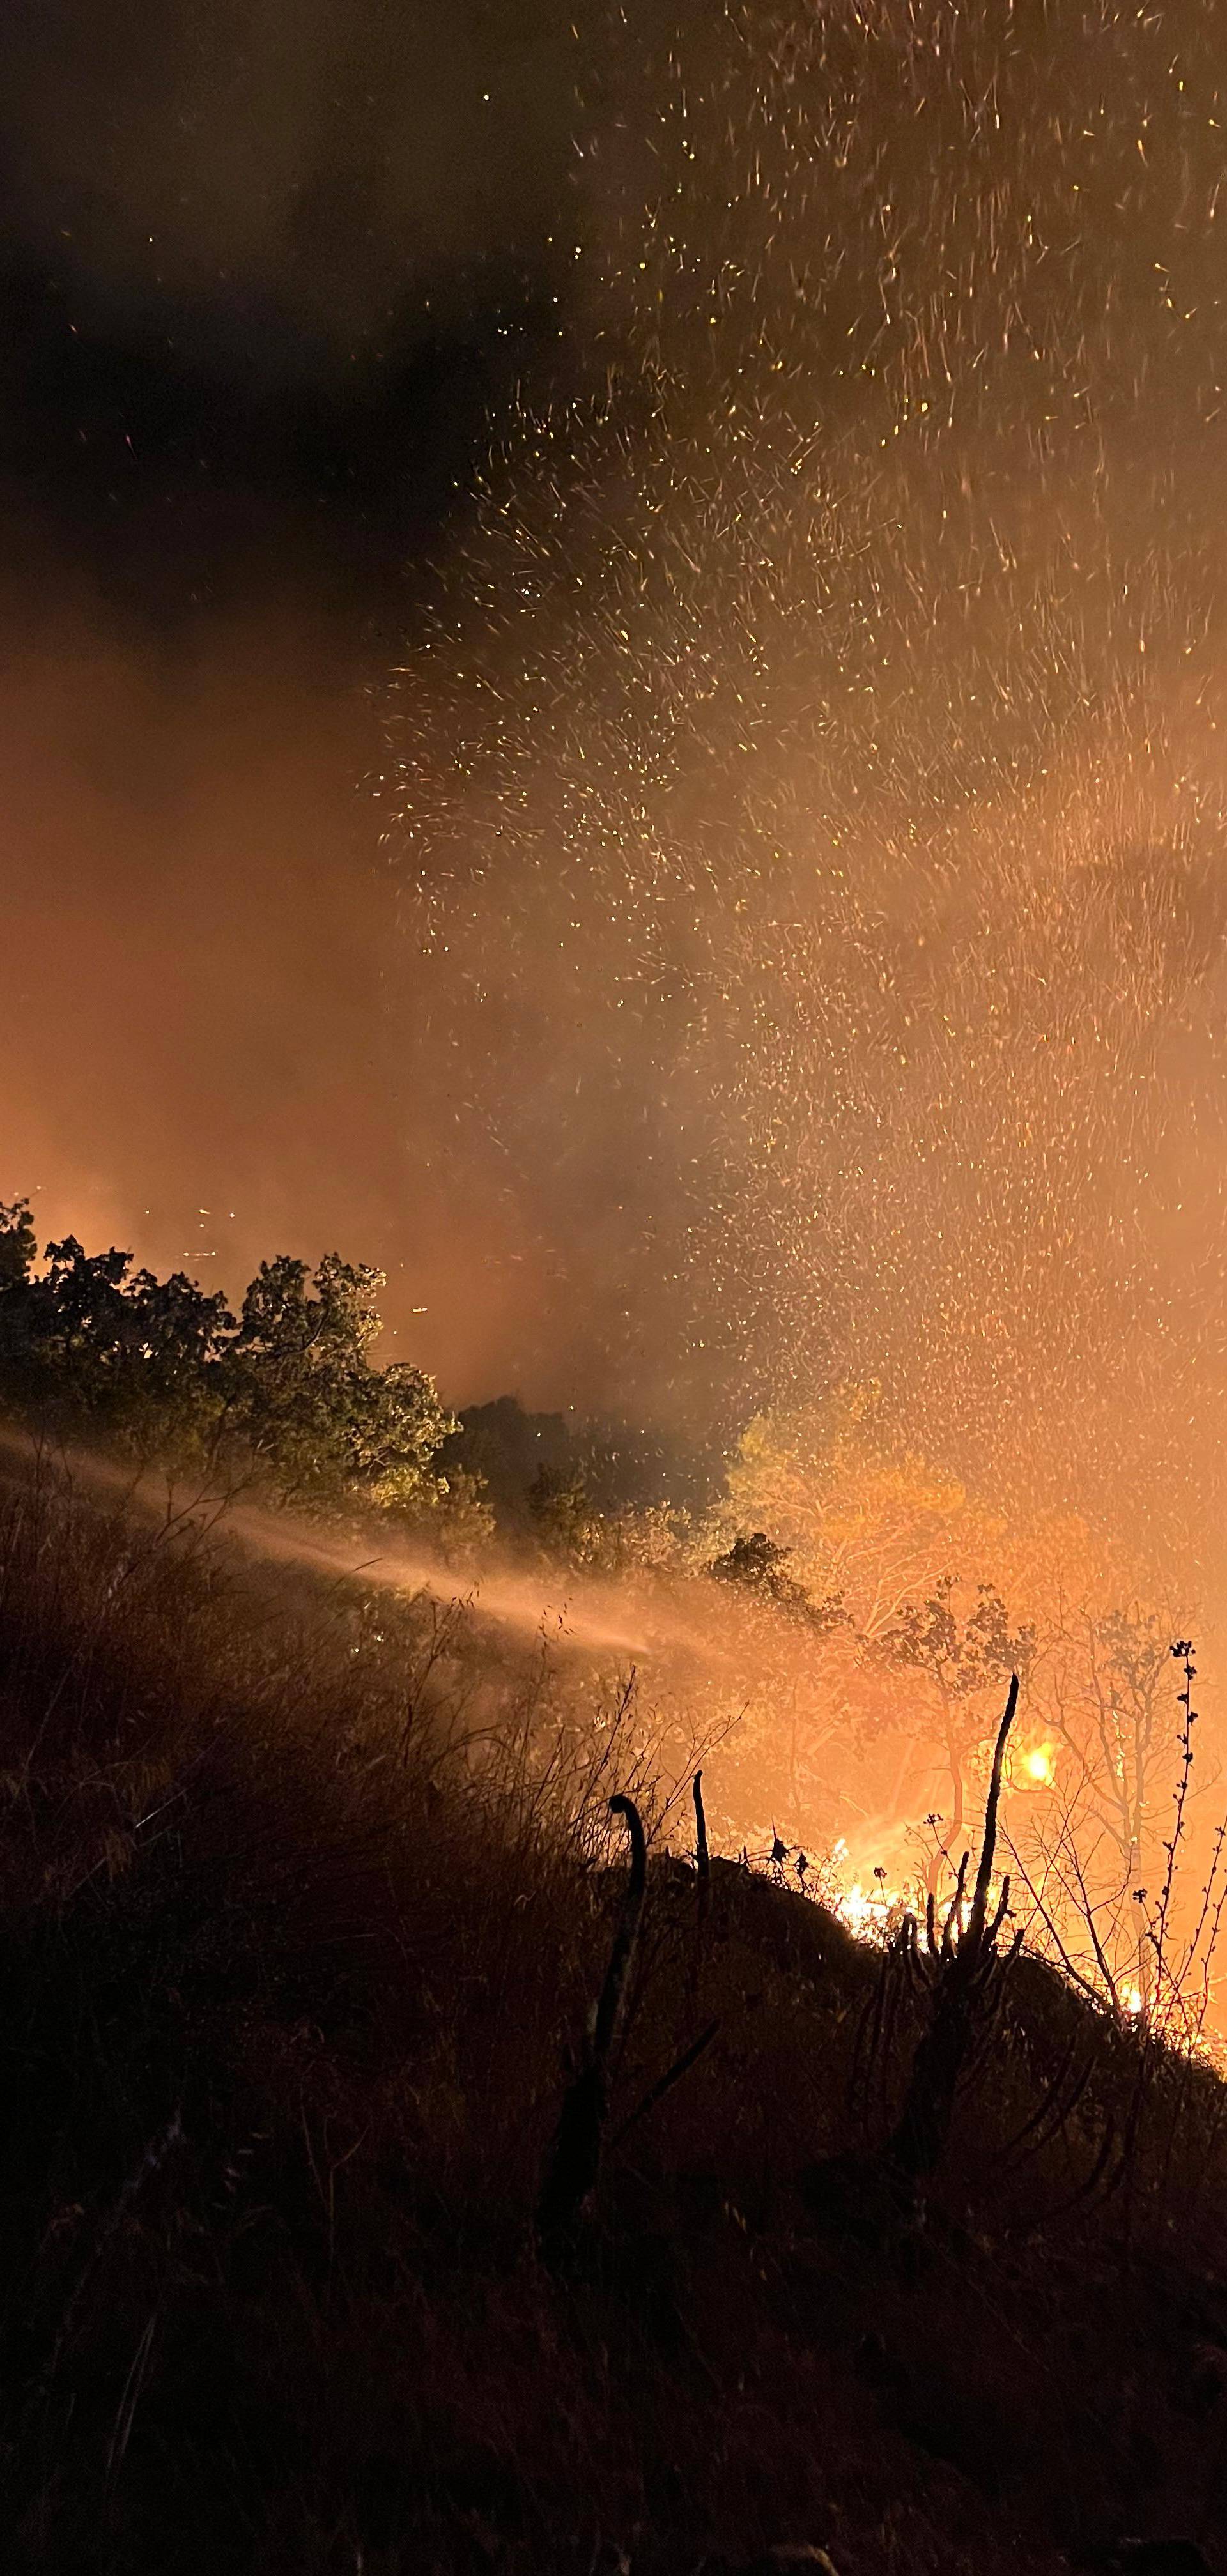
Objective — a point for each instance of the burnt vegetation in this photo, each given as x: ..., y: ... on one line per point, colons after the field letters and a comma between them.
x: 426, y: 2150
x: 392, y: 2178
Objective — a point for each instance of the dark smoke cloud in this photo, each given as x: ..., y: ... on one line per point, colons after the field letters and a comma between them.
x: 289, y: 180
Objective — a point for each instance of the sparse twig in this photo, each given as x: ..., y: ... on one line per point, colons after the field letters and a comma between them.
x: 574, y: 2160
x: 665, y: 2083
x: 964, y: 1975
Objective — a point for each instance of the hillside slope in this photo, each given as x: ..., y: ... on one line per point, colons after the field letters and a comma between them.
x: 296, y: 1965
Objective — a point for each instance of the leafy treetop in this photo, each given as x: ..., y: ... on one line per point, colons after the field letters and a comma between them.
x: 287, y: 1391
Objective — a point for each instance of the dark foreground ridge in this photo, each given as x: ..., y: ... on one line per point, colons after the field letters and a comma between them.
x: 300, y: 1949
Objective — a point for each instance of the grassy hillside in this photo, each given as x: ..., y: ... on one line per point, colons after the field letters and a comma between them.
x: 305, y: 1901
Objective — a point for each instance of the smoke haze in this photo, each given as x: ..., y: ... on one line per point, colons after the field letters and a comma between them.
x: 796, y: 949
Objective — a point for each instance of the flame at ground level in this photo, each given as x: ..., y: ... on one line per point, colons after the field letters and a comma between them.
x: 701, y: 1656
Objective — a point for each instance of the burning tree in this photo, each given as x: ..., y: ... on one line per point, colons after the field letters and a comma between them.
x: 1100, y: 1870
x: 856, y: 1521
x: 1103, y: 1689
x: 800, y: 1701
x: 859, y: 1531
x: 963, y: 1657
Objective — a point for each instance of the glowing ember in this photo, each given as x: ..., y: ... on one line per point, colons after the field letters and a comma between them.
x: 816, y: 757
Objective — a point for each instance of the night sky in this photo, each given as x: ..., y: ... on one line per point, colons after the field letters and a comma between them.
x: 270, y: 271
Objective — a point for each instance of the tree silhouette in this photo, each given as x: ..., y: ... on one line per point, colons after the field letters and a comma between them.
x: 162, y: 1367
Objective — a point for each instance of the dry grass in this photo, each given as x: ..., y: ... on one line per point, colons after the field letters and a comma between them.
x: 304, y: 1901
